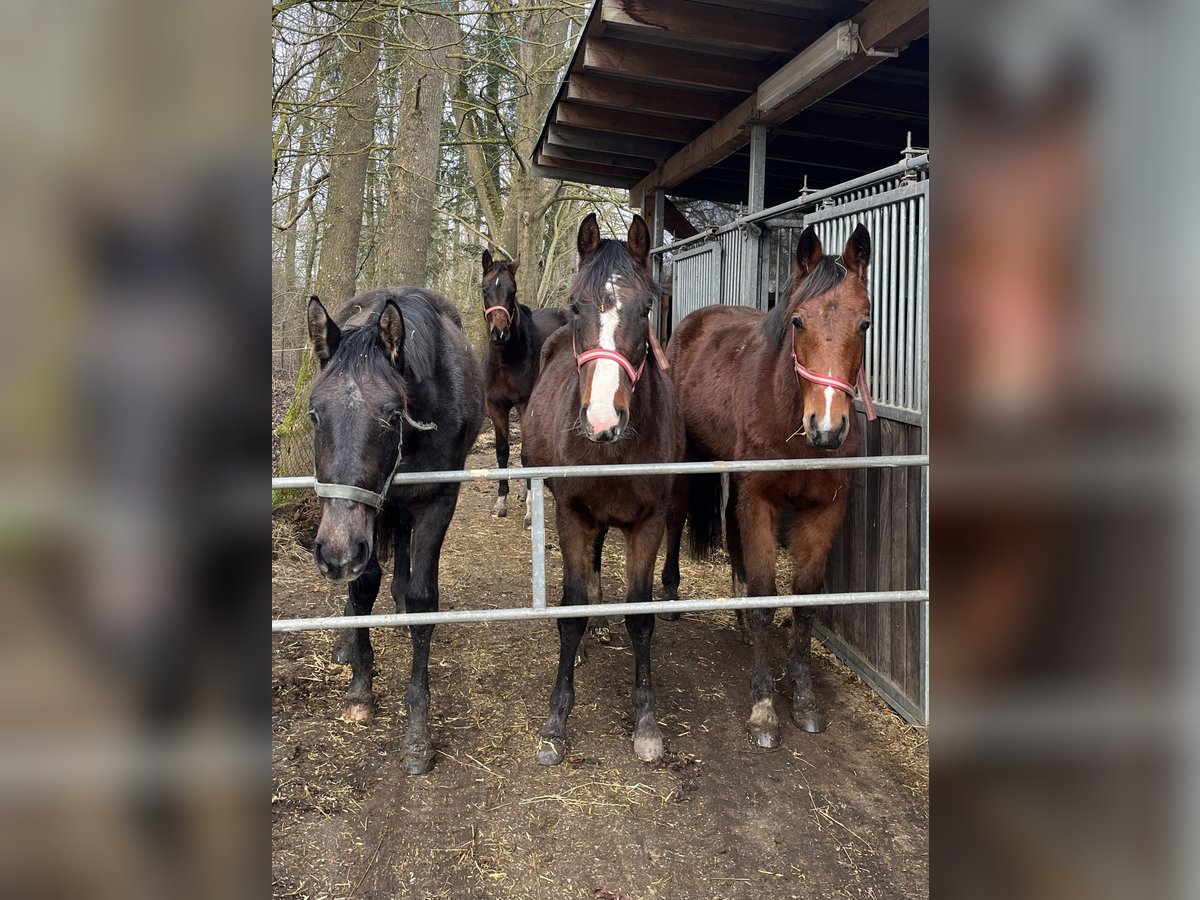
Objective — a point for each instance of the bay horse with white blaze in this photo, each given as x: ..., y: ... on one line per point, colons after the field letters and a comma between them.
x: 511, y: 358
x: 603, y: 398
x: 399, y: 390
x: 776, y: 386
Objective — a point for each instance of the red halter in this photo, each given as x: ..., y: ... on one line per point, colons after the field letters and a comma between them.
x: 596, y: 353
x: 863, y: 387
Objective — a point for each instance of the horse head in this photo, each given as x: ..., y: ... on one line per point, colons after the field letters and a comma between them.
x: 499, y: 288
x: 610, y: 300
x: 357, y: 408
x: 828, y: 314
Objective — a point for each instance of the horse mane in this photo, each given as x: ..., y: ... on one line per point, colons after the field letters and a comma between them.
x: 827, y: 274
x: 611, y: 258
x: 360, y: 355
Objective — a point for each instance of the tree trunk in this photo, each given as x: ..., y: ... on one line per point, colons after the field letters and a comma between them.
x: 405, y: 243
x: 349, y: 153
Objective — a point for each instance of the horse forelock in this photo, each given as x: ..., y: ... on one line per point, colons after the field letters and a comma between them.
x: 828, y: 273
x: 362, y: 361
x: 611, y: 266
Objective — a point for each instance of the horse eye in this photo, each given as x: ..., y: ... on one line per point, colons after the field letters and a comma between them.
x: 574, y: 309
x: 797, y: 323
x: 312, y: 417
x: 864, y: 326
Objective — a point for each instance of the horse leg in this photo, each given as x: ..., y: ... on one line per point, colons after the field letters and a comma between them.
x: 641, y: 548
x: 428, y: 532
x: 737, y: 564
x: 523, y: 484
x: 755, y: 518
x: 676, y: 516
x: 500, y: 425
x: 360, y: 701
x: 809, y: 542
x: 597, y: 625
x: 576, y: 539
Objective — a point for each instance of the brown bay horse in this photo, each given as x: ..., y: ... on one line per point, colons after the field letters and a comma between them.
x: 603, y: 398
x: 511, y: 358
x: 399, y: 390
x: 775, y: 386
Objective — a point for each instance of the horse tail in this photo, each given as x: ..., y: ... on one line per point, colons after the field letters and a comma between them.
x: 704, y: 514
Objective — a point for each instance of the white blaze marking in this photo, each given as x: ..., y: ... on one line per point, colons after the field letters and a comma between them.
x: 606, y: 375
x: 826, y: 423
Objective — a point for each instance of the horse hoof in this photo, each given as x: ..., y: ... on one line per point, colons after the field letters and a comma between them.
x: 499, y: 513
x: 763, y: 726
x: 528, y: 522
x: 648, y: 745
x: 670, y: 616
x: 551, y: 752
x: 418, y: 761
x: 810, y: 720
x: 359, y: 712
x: 766, y: 737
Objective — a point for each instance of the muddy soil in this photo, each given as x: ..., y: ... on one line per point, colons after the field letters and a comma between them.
x: 841, y: 814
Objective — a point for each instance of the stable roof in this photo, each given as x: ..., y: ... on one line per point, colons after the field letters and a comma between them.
x: 662, y: 94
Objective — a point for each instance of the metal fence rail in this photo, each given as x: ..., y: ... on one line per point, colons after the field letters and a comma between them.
x: 538, y: 608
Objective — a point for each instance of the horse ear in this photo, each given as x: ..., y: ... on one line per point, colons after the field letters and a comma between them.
x: 588, y: 240
x: 514, y: 264
x: 808, y: 251
x: 322, y: 331
x: 857, y: 255
x: 487, y: 261
x: 638, y: 240
x: 391, y: 332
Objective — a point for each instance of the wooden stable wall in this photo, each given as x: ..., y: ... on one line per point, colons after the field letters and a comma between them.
x: 878, y: 549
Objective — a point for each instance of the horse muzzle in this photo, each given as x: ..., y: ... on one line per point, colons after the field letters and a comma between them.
x: 829, y: 439
x: 602, y: 426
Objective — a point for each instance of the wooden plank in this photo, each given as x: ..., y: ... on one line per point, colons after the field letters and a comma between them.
x: 880, y: 638
x: 625, y: 122
x: 590, y: 139
x: 898, y: 630
x: 679, y: 103
x: 548, y: 161
x: 888, y: 24
x: 566, y: 173
x: 615, y: 160
x: 669, y: 66
x: 676, y: 222
x: 912, y: 622
x: 702, y: 22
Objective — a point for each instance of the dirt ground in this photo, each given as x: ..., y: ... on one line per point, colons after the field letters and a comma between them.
x: 841, y: 814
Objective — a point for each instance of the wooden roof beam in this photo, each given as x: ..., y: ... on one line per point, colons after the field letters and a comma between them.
x: 670, y: 66
x: 625, y: 122
x: 659, y: 101
x: 705, y: 22
x: 883, y: 25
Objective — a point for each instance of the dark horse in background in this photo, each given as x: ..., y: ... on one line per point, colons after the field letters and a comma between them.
x: 776, y: 386
x: 399, y: 390
x: 511, y: 358
x: 603, y: 398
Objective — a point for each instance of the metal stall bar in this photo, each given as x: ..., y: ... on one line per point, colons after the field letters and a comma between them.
x: 510, y: 614
x: 539, y: 609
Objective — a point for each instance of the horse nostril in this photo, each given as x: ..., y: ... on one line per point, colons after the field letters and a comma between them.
x: 361, y: 552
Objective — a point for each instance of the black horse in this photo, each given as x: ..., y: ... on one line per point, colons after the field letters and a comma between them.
x: 511, y: 358
x: 399, y: 390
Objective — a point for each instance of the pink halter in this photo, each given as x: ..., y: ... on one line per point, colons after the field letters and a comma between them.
x: 863, y: 386
x: 597, y: 353
x: 507, y: 315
